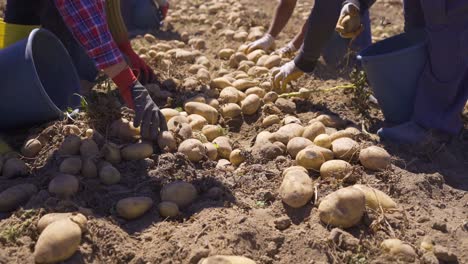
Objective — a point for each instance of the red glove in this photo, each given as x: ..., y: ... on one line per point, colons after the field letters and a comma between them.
x: 143, y: 71
x: 164, y: 9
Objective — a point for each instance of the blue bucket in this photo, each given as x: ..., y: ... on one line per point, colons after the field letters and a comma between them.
x: 39, y: 81
x: 393, y: 67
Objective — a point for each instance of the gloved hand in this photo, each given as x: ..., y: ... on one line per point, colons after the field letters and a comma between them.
x: 286, y: 74
x: 144, y: 73
x: 286, y: 51
x: 265, y: 43
x: 349, y: 24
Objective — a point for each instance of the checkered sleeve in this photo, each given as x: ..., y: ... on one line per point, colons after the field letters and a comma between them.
x: 87, y: 21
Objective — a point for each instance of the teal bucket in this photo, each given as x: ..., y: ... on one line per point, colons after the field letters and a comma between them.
x: 39, y: 81
x: 393, y: 67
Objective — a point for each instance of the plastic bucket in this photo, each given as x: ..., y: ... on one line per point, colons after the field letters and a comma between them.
x: 10, y: 33
x: 393, y: 67
x: 39, y: 81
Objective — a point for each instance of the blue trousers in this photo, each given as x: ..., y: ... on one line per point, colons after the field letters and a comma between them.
x: 443, y: 86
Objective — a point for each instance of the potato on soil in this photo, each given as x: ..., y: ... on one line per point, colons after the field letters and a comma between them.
x: 224, y: 147
x: 236, y: 58
x: 271, y: 120
x: 58, y: 242
x: 268, y: 150
x: 169, y: 113
x: 272, y: 61
x: 71, y: 130
x: 376, y: 198
x: 297, y: 144
x: 225, y: 54
x: 258, y: 71
x: 349, y: 132
x: 124, y: 130
x: 343, y: 208
x: 220, y: 259
x: 255, y: 55
x: 327, y: 153
x: 297, y: 188
x: 211, y: 150
x: 213, y: 102
x: 337, y: 169
x: 133, y: 207
x: 397, y: 249
x: 212, y: 131
x: 313, y: 130
x: 237, y: 157
x: 48, y: 219
x: 330, y: 121
x: 137, y: 151
x: 167, y: 142
x: 193, y: 149
x: 250, y: 104
x: 288, y: 132
x: 231, y: 110
x: 174, y: 122
x: 208, y: 112
x: 310, y: 159
x: 229, y: 95
x: 255, y: 90
x: 13, y: 197
x: 180, y: 193
x: 89, y: 168
x: 375, y: 158
x: 204, y: 75
x: 323, y: 140
x: 286, y: 106
x: 89, y: 148
x: 14, y: 167
x: 345, y: 148
x: 71, y: 166
x: 109, y: 175
x: 263, y: 138
x: 64, y: 185
x: 70, y: 145
x: 220, y: 83
x: 197, y: 121
x: 111, y: 153
x: 168, y: 209
x: 31, y: 148
x: 243, y: 84
x: 223, y: 164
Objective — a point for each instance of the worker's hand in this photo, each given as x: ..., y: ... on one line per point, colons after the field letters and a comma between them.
x: 286, y: 51
x: 143, y: 72
x: 349, y: 24
x: 265, y: 43
x: 286, y: 74
x: 147, y: 113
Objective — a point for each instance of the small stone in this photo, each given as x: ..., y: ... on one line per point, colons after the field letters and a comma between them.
x: 441, y: 226
x: 198, y: 254
x: 444, y: 254
x: 343, y: 239
x: 282, y: 223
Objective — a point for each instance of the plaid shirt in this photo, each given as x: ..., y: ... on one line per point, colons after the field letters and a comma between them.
x: 87, y: 21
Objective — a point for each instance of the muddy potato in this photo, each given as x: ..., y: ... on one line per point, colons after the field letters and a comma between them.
x: 137, y: 151
x: 349, y: 132
x: 345, y: 148
x: 111, y: 153
x: 229, y: 95
x: 291, y: 119
x: 89, y: 148
x: 220, y: 259
x: 13, y: 197
x: 271, y: 120
x: 197, y: 122
x: 180, y: 193
x: 261, y: 60
x: 220, y: 83
x: 310, y: 159
x: 109, y: 175
x: 398, y: 249
x: 176, y: 121
x: 272, y: 61
x: 236, y: 58
x: 168, y: 209
x: 124, y: 130
x: 212, y: 131
x: 208, y: 112
x: 211, y: 151
x: 313, y: 130
x: 224, y: 146
x: 14, y: 167
x: 244, y: 84
x: 31, y: 148
x: 225, y: 54
x: 237, y: 157
x: 343, y: 208
x: 330, y: 121
x: 288, y: 132
x: 169, y: 113
x: 70, y: 145
x: 231, y: 110
x: 270, y: 97
x: 255, y: 55
x: 297, y: 188
x: 327, y: 153
x: 71, y: 166
x: 48, y: 219
x: 167, y: 142
x: 375, y: 158
x: 376, y: 198
x: 250, y: 104
x: 193, y: 149
x: 255, y: 90
x: 323, y: 140
x: 58, y: 242
x: 337, y: 169
x: 89, y: 169
x: 295, y: 145
x: 71, y: 130
x: 64, y: 185
x: 133, y: 207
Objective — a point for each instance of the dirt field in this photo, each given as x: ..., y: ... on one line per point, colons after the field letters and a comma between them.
x: 239, y: 212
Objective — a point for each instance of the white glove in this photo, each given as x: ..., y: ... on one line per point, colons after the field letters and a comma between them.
x: 349, y: 24
x: 265, y: 43
x: 286, y: 74
x: 287, y: 51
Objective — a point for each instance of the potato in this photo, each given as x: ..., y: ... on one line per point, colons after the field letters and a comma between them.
x: 203, y: 75
x: 345, y: 148
x: 229, y: 95
x: 208, y: 112
x: 184, y: 56
x: 375, y: 198
x: 261, y: 61
x: 255, y: 90
x: 313, y: 130
x: 231, y: 110
x: 263, y: 138
x: 211, y: 151
x: 150, y: 38
x: 71, y: 130
x: 224, y: 164
x: 242, y: 96
x: 396, y: 248
x: 225, y: 54
x: 272, y: 61
x: 258, y: 71
x: 245, y: 65
x: 241, y: 75
x: 212, y: 131
x: 193, y: 149
x: 70, y: 145
x: 241, y: 36
x: 31, y: 148
x: 270, y: 97
x: 323, y: 140
x: 174, y: 122
x: 310, y: 159
x: 58, y: 242
x: 244, y: 84
x: 111, y: 153
x: 180, y: 193
x: 213, y: 102
x: 291, y: 119
x: 14, y: 167
x: 288, y: 132
x: 184, y: 131
x: 349, y: 132
x: 297, y: 188
x: 13, y: 197
x: 168, y: 209
x: 64, y: 185
x: 71, y: 166
x: 330, y: 131
x: 109, y: 175
x: 194, y: 69
x: 255, y: 55
x: 297, y: 144
x: 271, y: 120
x: 124, y: 130
x: 197, y: 122
x: 330, y: 121
x: 236, y: 58
x: 250, y: 104
x: 169, y: 113
x: 89, y: 148
x: 167, y: 142
x: 237, y: 157
x: 89, y: 169
x: 137, y: 151
x: 337, y: 169
x: 220, y: 83
x: 48, y: 219
x: 133, y: 207
x: 375, y: 158
x: 327, y: 153
x: 220, y: 259
x: 224, y: 147
x: 343, y: 208
x: 198, y: 98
